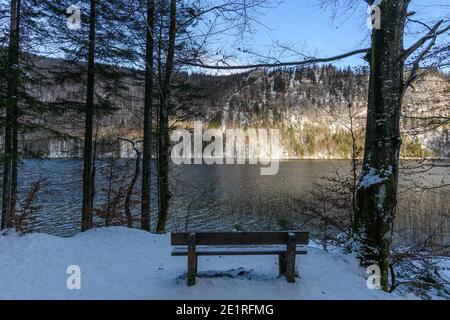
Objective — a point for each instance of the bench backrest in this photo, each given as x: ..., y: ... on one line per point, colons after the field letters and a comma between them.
x: 239, y: 238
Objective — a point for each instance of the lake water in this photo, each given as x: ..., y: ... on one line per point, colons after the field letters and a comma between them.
x: 235, y: 197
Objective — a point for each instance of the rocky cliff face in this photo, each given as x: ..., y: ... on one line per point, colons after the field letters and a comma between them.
x: 321, y: 110
x: 310, y: 107
x: 318, y: 110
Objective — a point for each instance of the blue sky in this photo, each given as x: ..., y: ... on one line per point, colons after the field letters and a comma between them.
x: 304, y: 26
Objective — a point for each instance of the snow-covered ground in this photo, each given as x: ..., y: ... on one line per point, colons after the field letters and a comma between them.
x: 121, y: 263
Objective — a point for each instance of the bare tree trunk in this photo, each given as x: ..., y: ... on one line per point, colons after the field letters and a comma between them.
x: 130, y: 189
x: 164, y: 139
x: 94, y: 161
x: 377, y: 188
x: 10, y: 160
x: 88, y: 179
x: 15, y: 159
x: 160, y: 96
x: 148, y: 106
x: 356, y: 152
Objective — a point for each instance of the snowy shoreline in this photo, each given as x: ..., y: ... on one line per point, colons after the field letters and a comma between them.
x: 121, y: 263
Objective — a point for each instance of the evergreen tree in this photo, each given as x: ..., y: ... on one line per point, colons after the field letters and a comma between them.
x: 23, y: 36
x: 148, y: 109
x: 164, y: 139
x: 94, y: 54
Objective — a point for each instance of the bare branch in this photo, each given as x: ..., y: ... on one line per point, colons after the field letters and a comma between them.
x: 279, y: 64
x: 430, y: 35
x: 416, y: 64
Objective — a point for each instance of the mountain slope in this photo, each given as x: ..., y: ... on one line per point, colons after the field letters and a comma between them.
x: 313, y: 107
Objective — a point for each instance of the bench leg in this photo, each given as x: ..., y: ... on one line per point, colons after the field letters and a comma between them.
x: 192, y: 260
x: 290, y: 258
x: 282, y: 264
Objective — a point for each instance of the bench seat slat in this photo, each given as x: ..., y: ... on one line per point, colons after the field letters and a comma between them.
x: 236, y: 251
x: 239, y: 238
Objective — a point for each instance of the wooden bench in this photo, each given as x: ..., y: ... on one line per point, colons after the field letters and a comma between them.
x: 283, y: 244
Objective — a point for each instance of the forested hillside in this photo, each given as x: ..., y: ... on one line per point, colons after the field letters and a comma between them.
x: 319, y: 110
